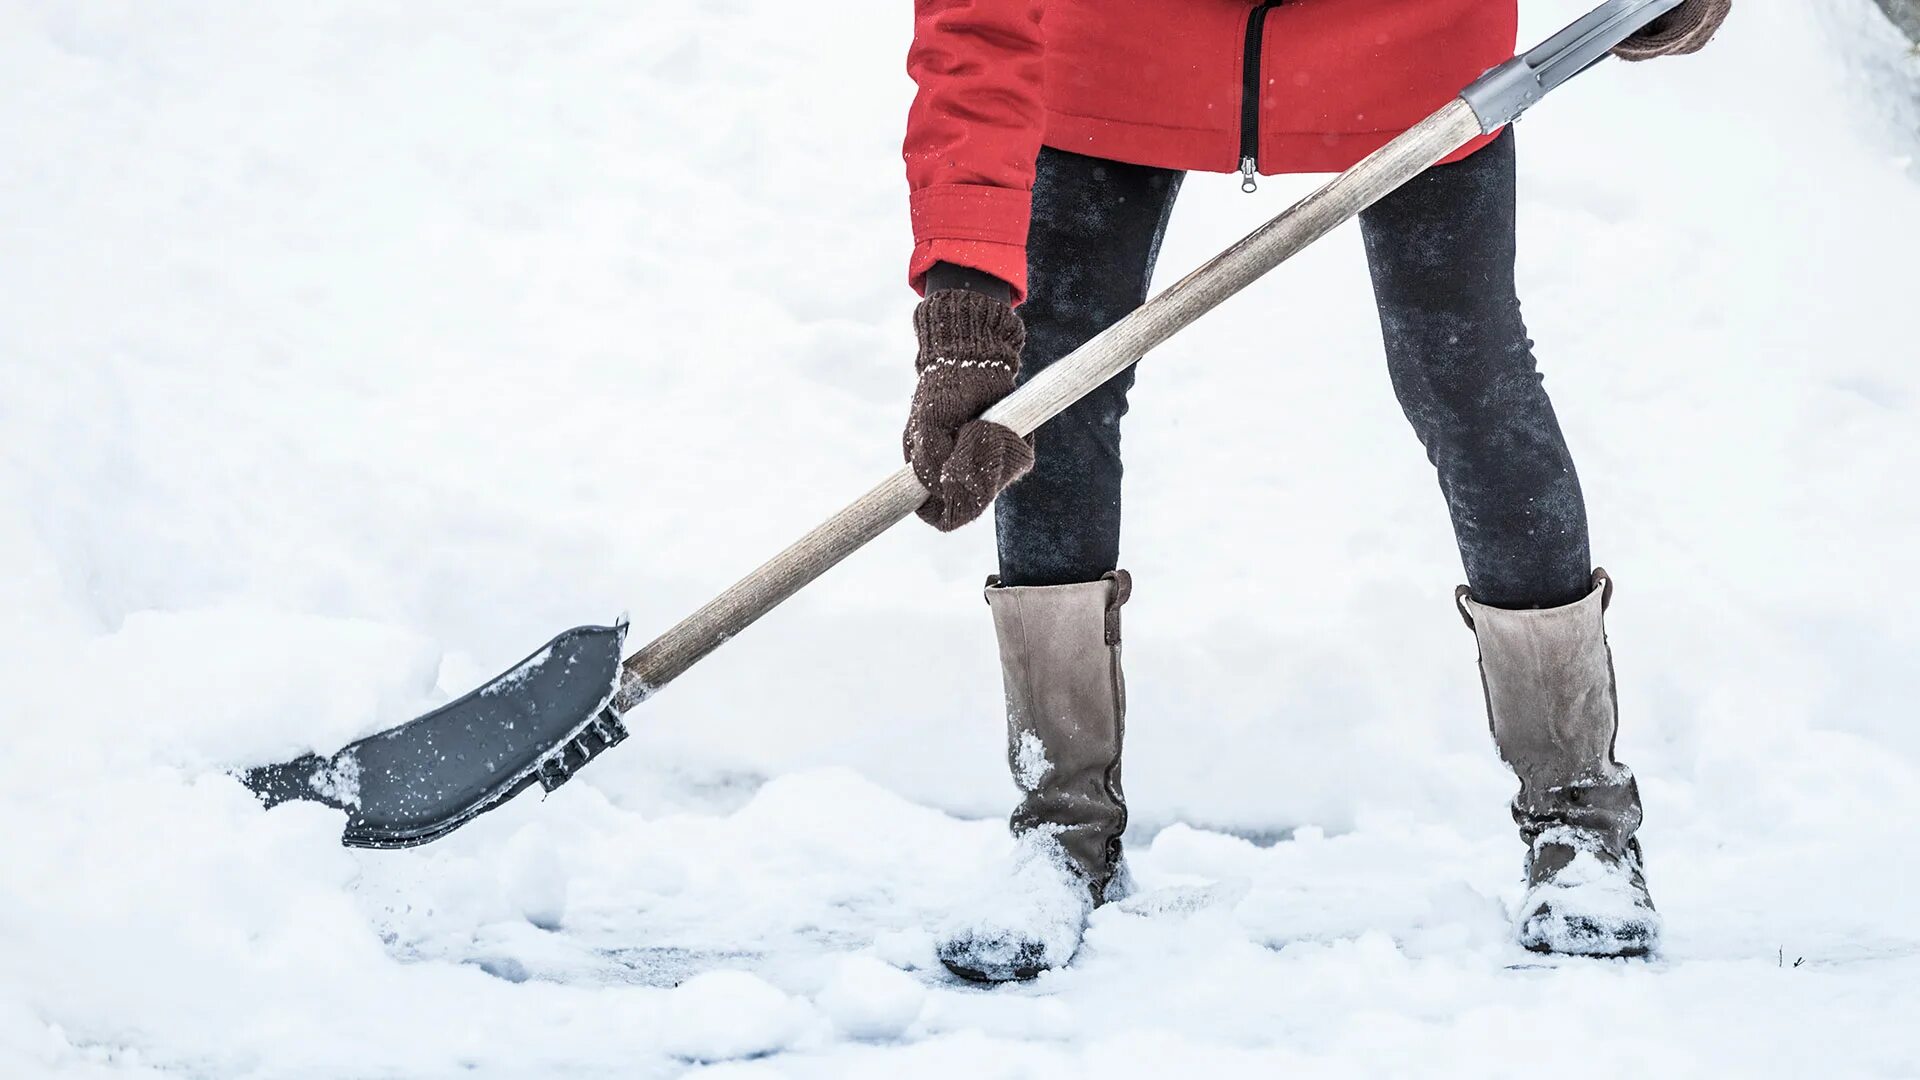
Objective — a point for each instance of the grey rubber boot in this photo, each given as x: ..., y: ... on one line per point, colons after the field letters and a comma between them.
x: 1066, y: 716
x: 1552, y: 704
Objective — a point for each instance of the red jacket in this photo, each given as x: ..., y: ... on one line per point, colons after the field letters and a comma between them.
x: 1296, y: 85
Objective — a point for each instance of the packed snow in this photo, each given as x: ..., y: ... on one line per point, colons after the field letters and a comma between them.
x: 352, y: 349
x: 869, y: 998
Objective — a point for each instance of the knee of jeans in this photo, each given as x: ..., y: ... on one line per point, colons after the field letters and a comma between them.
x: 1461, y: 320
x: 1490, y: 442
x: 1463, y: 379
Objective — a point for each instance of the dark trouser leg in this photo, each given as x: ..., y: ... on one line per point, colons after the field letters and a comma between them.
x: 1096, y: 228
x: 1096, y: 231
x: 1441, y: 250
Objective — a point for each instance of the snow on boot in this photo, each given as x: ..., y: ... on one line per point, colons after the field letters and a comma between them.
x: 1551, y: 701
x: 1585, y: 901
x: 1066, y: 707
x: 1027, y: 920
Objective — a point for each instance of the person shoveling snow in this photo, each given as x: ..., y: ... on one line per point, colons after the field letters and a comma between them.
x: 1034, y: 258
x: 1072, y: 115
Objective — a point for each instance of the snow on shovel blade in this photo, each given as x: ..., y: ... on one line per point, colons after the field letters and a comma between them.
x: 419, y: 781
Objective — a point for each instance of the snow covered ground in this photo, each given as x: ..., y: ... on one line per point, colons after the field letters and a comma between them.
x: 348, y: 350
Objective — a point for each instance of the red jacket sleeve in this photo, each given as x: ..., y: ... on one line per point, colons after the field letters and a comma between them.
x: 972, y: 135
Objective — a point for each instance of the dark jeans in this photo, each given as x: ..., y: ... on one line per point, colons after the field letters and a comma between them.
x: 1441, y: 250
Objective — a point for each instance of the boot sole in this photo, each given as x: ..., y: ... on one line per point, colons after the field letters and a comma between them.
x: 1608, y: 944
x: 1025, y: 965
x: 1629, y: 952
x: 1020, y: 974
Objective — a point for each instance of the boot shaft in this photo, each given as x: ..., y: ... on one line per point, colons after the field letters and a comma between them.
x: 1066, y: 714
x: 1553, y: 708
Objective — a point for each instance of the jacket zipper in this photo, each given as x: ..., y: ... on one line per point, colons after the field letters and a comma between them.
x: 1250, y: 94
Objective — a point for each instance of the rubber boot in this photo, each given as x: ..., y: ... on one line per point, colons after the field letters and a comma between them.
x: 1066, y: 708
x: 1551, y: 701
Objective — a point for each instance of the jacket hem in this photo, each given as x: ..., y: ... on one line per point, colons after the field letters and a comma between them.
x: 1165, y: 147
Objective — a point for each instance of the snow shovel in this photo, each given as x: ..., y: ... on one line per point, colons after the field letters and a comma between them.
x: 565, y: 705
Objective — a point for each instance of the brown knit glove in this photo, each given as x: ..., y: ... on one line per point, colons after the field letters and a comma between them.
x: 1685, y: 29
x: 969, y: 354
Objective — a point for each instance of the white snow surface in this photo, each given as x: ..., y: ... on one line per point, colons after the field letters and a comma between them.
x: 722, y: 1015
x: 349, y: 350
x: 871, y: 999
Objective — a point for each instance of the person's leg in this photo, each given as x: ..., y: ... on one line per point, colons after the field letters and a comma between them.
x: 1096, y: 231
x: 1442, y: 251
x: 1056, y: 603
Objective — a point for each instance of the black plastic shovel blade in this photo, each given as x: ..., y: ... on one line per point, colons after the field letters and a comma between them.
x: 417, y: 782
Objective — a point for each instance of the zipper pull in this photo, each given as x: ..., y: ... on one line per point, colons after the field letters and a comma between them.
x: 1248, y: 183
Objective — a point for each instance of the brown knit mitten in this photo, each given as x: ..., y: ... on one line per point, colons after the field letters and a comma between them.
x: 969, y: 353
x: 1685, y: 29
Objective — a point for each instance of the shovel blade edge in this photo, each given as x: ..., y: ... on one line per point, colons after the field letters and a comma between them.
x: 537, y: 723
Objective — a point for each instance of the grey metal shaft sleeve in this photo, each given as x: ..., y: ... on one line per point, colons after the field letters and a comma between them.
x: 1503, y: 93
